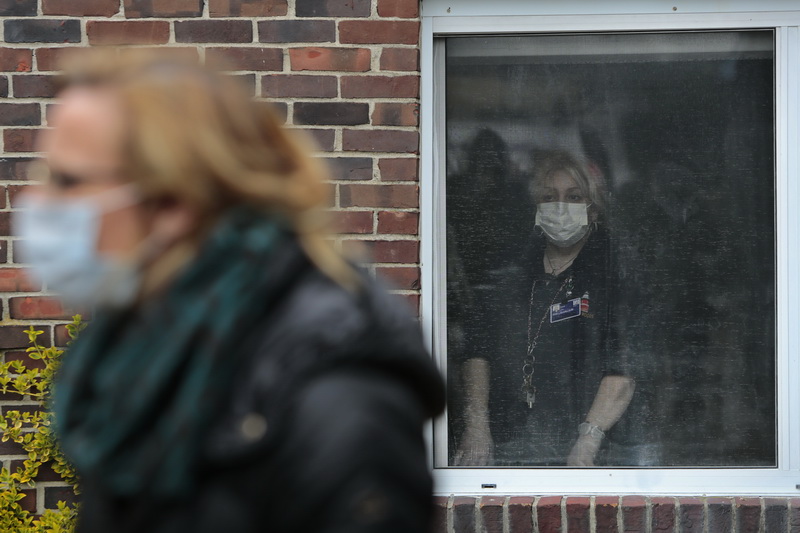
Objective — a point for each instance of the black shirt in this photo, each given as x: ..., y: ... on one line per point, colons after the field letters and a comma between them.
x: 573, y: 352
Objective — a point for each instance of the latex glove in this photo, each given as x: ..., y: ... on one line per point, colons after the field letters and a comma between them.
x: 476, y: 447
x: 584, y: 451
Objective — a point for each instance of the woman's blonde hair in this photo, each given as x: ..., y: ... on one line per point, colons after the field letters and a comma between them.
x: 195, y: 135
x: 592, y: 186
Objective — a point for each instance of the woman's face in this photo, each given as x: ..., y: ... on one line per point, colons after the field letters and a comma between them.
x: 83, y: 153
x: 560, y: 187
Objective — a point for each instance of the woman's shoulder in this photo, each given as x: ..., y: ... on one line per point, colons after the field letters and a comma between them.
x: 321, y: 326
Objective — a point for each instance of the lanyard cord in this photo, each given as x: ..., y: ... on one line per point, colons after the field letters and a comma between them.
x: 530, y: 359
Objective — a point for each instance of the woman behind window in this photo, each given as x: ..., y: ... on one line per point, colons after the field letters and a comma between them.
x: 543, y: 381
x: 237, y: 375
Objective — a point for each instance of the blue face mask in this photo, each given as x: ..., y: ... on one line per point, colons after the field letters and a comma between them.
x: 58, y: 240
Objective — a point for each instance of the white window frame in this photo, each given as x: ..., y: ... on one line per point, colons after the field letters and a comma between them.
x: 442, y: 18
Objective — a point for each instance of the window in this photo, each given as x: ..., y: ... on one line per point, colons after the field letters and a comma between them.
x: 609, y: 244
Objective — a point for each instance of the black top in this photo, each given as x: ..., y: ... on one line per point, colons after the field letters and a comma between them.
x: 575, y: 347
x: 323, y: 431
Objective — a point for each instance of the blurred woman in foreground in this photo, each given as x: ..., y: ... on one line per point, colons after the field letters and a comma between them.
x: 238, y: 375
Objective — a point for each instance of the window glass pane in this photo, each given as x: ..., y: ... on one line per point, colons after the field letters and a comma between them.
x: 611, y: 250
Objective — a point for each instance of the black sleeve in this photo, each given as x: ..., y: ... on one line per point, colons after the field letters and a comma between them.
x: 353, y: 457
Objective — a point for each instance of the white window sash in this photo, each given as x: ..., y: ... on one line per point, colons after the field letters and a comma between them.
x: 469, y: 17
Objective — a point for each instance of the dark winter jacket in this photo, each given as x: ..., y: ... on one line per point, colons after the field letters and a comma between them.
x: 323, y: 431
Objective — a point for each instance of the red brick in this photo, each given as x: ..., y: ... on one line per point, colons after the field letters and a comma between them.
x: 407, y: 278
x: 33, y: 307
x: 28, y: 503
x: 323, y: 139
x: 332, y: 8
x: 412, y: 303
x: 464, y: 513
x: 5, y: 225
x: 634, y: 513
x: 241, y: 58
x: 663, y: 515
x: 393, y: 114
x: 794, y: 515
x: 350, y: 168
x: 380, y: 141
x: 296, y: 31
x: 352, y: 221
x: 298, y: 86
x: 101, y: 32
x: 776, y: 514
x: 16, y: 59
x: 380, y: 86
x: 338, y: 59
x: 19, y: 140
x: 50, y: 59
x: 548, y: 512
x: 490, y: 507
x: 17, y: 280
x: 14, y: 192
x: 331, y: 113
x: 605, y: 511
x: 379, y: 196
x: 20, y: 355
x: 520, y: 514
x: 247, y: 82
x: 14, y: 168
x: 690, y: 515
x: 20, y: 114
x: 10, y: 447
x: 378, y: 32
x: 439, y: 522
x: 720, y: 515
x: 163, y: 8
x: 35, y: 86
x: 53, y: 495
x: 747, y: 513
x: 39, y: 30
x: 384, y: 251
x: 577, y: 515
x: 407, y: 9
x: 46, y: 473
x: 81, y: 8
x: 403, y: 59
x: 15, y: 337
x: 398, y: 169
x: 26, y: 408
x: 213, y: 31
x: 18, y: 8
x: 248, y: 8
x: 399, y: 222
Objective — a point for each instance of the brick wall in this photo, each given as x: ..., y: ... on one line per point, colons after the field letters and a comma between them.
x: 346, y: 71
x: 616, y: 514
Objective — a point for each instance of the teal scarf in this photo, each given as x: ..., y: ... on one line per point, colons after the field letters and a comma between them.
x: 137, y: 389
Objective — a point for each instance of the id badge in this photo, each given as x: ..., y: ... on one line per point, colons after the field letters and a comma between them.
x: 565, y: 311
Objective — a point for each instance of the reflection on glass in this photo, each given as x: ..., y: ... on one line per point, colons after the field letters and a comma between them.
x: 610, y: 250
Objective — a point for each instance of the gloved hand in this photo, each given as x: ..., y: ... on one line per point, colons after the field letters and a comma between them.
x: 476, y: 447
x: 584, y: 450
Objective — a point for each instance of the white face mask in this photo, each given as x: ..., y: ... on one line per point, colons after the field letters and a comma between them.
x: 58, y: 240
x: 563, y: 223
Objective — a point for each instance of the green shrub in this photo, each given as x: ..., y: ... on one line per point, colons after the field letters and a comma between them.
x: 32, y: 430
